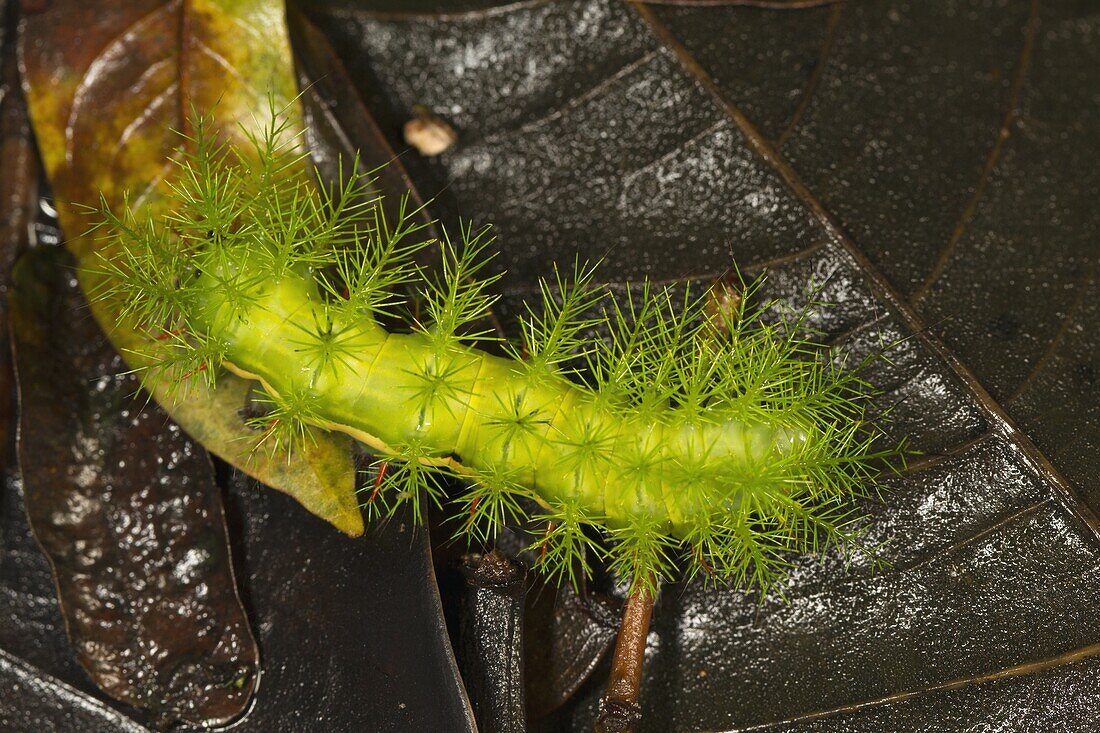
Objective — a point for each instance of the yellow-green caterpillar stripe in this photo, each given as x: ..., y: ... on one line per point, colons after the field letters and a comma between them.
x: 374, y: 393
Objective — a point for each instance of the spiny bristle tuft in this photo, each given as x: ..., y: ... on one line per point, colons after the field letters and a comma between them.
x: 644, y: 552
x: 370, y: 275
x: 286, y: 423
x: 556, y: 334
x: 491, y: 503
x: 587, y: 446
x: 516, y: 419
x: 460, y: 296
x: 441, y: 382
x: 412, y: 477
x: 565, y: 552
x: 328, y: 343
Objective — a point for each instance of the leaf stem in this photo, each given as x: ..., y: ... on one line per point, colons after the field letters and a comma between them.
x: 619, y: 709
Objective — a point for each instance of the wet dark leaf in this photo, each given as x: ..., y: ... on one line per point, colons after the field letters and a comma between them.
x: 352, y: 632
x: 125, y: 508
x: 566, y: 642
x: 490, y: 653
x: 46, y: 704
x: 766, y: 4
x: 337, y: 124
x: 922, y: 163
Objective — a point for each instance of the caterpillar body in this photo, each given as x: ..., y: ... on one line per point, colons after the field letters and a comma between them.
x: 640, y: 425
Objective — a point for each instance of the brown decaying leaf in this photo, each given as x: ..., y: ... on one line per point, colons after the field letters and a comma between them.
x: 18, y: 202
x: 118, y: 600
x: 125, y: 508
x: 104, y: 109
x: 32, y: 628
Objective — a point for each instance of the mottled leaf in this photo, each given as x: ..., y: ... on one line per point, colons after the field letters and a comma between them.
x: 107, y: 84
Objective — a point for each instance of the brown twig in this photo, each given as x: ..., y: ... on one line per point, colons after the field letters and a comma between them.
x: 619, y: 709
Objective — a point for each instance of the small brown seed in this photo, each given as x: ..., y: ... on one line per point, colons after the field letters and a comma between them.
x: 723, y: 304
x: 429, y: 133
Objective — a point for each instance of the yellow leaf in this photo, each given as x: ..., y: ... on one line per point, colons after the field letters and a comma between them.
x: 107, y: 113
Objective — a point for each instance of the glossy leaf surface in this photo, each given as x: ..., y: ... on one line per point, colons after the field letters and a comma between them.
x: 830, y: 136
x: 846, y: 146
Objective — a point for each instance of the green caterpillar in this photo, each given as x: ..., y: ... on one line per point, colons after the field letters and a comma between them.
x: 649, y: 427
